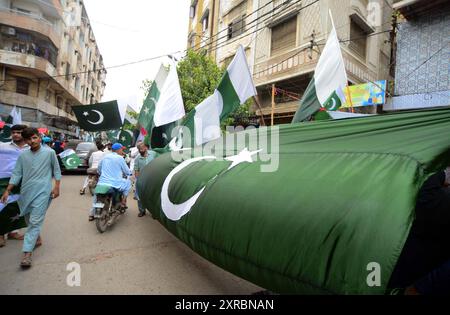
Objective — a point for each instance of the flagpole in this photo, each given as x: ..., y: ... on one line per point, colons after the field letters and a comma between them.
x: 273, y: 105
x: 255, y: 99
x: 350, y: 98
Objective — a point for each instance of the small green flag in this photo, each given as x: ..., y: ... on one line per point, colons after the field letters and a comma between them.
x: 70, y: 159
x: 126, y: 138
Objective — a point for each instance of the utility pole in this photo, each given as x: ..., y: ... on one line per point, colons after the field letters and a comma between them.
x: 273, y: 105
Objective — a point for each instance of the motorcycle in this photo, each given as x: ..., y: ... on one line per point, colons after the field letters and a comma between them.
x: 108, y: 207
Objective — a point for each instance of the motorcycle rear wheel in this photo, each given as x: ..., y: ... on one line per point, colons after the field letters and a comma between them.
x: 102, y: 220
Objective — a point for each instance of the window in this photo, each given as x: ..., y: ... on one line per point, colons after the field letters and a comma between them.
x: 77, y: 83
x: 358, y: 39
x: 22, y: 86
x: 205, y: 22
x: 67, y: 71
x: 284, y: 36
x: 20, y: 10
x: 193, y: 9
x: 236, y: 28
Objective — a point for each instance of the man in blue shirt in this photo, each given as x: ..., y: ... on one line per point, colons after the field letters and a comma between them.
x: 112, y: 170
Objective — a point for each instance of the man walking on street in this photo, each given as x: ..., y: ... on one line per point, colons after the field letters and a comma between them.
x: 34, y: 170
x: 145, y: 157
x: 10, y: 219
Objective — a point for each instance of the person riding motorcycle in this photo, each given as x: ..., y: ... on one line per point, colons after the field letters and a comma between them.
x: 112, y: 169
x: 92, y: 173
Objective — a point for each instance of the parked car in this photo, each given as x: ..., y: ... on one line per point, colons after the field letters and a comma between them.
x: 83, y: 150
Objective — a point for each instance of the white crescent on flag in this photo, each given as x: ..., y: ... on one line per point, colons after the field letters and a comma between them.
x: 100, y: 120
x: 176, y: 212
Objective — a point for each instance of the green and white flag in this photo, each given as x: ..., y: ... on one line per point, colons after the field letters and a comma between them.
x: 98, y: 117
x: 126, y: 138
x: 326, y: 88
x: 14, y: 118
x: 70, y: 159
x: 147, y: 113
x: 162, y: 109
x: 235, y: 88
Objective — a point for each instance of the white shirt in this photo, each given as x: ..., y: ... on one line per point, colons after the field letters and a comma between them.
x: 96, y: 157
x: 9, y: 153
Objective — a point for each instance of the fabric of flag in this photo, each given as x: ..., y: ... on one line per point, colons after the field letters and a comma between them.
x: 70, y: 159
x: 326, y: 88
x: 162, y: 109
x: 14, y: 118
x: 126, y: 138
x: 235, y: 88
x: 342, y: 197
x: 147, y: 113
x: 10, y: 219
x: 98, y: 117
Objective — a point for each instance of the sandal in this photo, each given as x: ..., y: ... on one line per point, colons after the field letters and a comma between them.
x: 15, y: 236
x: 82, y: 192
x: 26, y: 262
x: 91, y: 218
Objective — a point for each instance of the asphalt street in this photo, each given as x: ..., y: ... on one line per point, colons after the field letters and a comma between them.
x: 136, y: 256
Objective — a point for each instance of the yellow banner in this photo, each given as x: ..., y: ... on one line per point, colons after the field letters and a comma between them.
x: 368, y: 94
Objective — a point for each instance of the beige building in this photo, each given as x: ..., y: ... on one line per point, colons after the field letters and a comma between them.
x: 283, y: 40
x: 289, y: 45
x: 203, y: 25
x: 49, y: 61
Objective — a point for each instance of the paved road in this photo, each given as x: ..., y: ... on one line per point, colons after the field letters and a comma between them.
x: 137, y: 256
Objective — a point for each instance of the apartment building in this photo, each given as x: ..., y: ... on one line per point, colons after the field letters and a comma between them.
x: 293, y: 33
x: 422, y: 68
x: 49, y: 61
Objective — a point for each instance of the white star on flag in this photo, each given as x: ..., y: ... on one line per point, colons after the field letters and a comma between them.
x: 16, y: 218
x: 123, y: 139
x: 243, y: 157
x: 146, y: 111
x: 85, y: 114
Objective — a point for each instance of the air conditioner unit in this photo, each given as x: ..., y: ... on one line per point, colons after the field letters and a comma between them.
x: 8, y: 30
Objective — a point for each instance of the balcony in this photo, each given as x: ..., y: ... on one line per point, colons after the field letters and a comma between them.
x: 288, y: 64
x: 32, y: 23
x: 411, y: 9
x: 8, y: 97
x: 39, y: 67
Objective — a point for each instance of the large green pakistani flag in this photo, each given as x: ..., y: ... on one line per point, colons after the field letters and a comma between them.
x: 70, y: 159
x: 235, y: 88
x: 98, y: 117
x: 325, y: 91
x: 340, y: 197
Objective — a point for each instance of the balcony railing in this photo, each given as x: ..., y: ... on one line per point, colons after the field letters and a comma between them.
x: 30, y: 15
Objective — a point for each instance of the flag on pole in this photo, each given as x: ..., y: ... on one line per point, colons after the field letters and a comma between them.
x: 16, y: 115
x: 14, y: 118
x: 326, y: 89
x: 98, y: 117
x: 147, y: 113
x: 235, y: 88
x: 70, y: 159
x: 162, y: 109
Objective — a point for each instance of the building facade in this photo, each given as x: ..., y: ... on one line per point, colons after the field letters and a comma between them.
x: 49, y: 61
x: 293, y: 33
x: 422, y: 70
x: 283, y: 40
